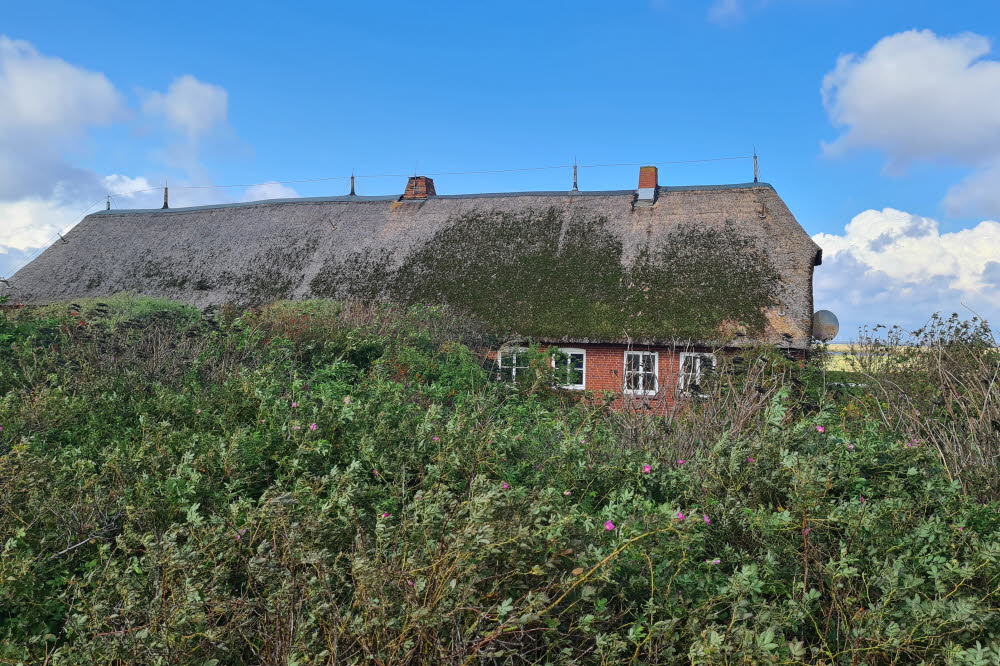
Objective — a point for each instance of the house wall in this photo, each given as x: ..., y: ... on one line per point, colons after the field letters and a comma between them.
x: 605, y: 371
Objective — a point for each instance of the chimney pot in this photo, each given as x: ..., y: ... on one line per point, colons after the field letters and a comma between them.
x: 648, y: 182
x: 419, y: 187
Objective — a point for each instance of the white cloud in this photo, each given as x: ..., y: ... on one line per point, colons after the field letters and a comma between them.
x: 270, y: 191
x: 977, y: 194
x: 916, y: 96
x: 46, y: 108
x: 49, y: 99
x: 33, y: 222
x: 891, y: 266
x: 190, y: 106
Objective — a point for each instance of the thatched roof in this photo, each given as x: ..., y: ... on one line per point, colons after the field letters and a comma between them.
x: 722, y: 264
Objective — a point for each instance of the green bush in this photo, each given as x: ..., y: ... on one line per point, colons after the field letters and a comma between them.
x: 323, y: 483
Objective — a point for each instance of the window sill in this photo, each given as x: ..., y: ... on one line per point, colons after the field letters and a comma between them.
x: 645, y: 394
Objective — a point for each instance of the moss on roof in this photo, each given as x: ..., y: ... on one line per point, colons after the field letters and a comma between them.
x: 537, y: 274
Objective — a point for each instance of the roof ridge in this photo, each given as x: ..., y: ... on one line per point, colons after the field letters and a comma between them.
x: 354, y: 198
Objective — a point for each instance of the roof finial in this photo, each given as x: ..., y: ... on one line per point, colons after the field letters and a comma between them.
x: 352, y: 182
x: 575, y: 188
x: 756, y: 170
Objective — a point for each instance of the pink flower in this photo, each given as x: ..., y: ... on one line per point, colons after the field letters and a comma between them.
x: 609, y: 526
x: 680, y: 462
x: 313, y: 426
x: 419, y: 497
x: 197, y: 411
x: 863, y: 500
x: 820, y: 429
x: 850, y: 447
x: 646, y: 469
x: 680, y: 516
x: 347, y: 400
x: 806, y: 531
x: 295, y: 404
x: 296, y: 427
x: 375, y: 472
x: 505, y: 485
x: 385, y: 515
x: 435, y: 438
x: 567, y: 492
x: 716, y: 561
x: 751, y: 460
x: 410, y: 583
x: 960, y: 528
x: 708, y: 521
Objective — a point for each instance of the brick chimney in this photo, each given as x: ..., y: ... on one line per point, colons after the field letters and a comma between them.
x: 647, y: 186
x: 419, y: 187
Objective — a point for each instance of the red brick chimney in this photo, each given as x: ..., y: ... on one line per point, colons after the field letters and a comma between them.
x: 647, y: 185
x: 419, y: 187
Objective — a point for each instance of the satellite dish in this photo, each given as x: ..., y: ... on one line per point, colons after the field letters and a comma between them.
x: 825, y: 325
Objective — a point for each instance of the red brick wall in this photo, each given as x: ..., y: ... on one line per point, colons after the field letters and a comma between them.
x: 605, y: 371
x: 418, y: 187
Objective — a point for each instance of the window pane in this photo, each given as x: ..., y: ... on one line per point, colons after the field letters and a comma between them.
x: 632, y: 362
x: 575, y: 374
x: 648, y: 381
x: 632, y: 380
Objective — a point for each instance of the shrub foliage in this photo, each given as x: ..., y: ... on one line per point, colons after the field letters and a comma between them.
x: 320, y: 483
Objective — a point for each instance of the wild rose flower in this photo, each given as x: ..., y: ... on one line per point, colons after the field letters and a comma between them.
x: 609, y: 525
x: 435, y: 438
x: 567, y: 492
x: 385, y: 515
x: 820, y: 429
x: 646, y: 469
x: 680, y: 462
x: 751, y: 460
x: 680, y: 516
x: 313, y: 426
x: 863, y: 500
x: 708, y: 521
x: 295, y: 404
x: 505, y: 485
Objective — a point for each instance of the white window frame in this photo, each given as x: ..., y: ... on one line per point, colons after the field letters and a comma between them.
x: 642, y: 371
x: 514, y: 351
x: 681, y: 376
x: 572, y: 350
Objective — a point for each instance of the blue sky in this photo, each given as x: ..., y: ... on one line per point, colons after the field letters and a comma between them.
x: 895, y: 172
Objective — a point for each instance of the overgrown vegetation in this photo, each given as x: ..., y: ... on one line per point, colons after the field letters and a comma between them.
x: 319, y: 483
